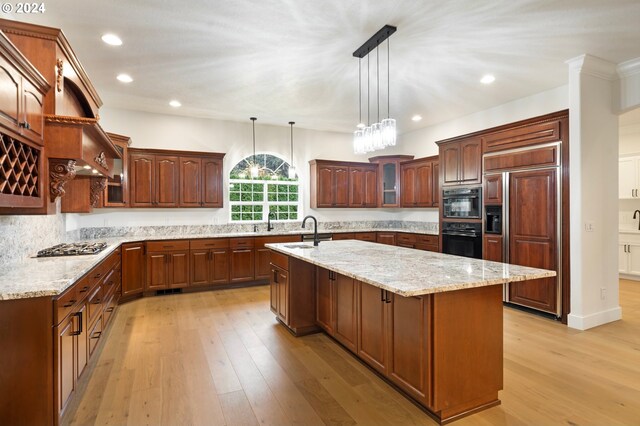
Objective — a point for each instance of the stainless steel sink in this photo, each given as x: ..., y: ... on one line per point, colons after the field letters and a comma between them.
x: 299, y: 245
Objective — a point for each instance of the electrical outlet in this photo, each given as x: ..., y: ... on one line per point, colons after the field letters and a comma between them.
x: 603, y: 293
x: 588, y: 226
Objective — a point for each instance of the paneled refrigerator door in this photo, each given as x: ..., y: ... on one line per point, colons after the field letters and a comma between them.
x: 533, y: 235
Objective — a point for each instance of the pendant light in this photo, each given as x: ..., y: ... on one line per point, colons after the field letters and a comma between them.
x: 292, y: 169
x: 388, y: 124
x: 255, y: 171
x: 382, y: 133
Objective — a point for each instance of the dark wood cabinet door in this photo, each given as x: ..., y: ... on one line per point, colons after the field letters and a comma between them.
x: 371, y: 187
x: 410, y: 352
x: 273, y: 290
x: 157, y: 271
x: 365, y: 236
x: 493, y: 189
x: 470, y: 161
x: 200, y: 265
x: 325, y: 300
x: 492, y: 248
x: 32, y: 106
x: 66, y: 348
x: 178, y: 269
x: 533, y: 235
x: 407, y: 185
x: 141, y: 180
x: 82, y: 350
x: 190, y: 182
x: 10, y: 80
x: 219, y: 266
x: 386, y: 238
x: 341, y: 187
x: 344, y: 236
x: 436, y: 184
x: 283, y: 295
x: 325, y: 191
x: 372, y: 327
x: 263, y: 263
x: 242, y: 264
x: 449, y: 158
x: 166, y: 181
x: 424, y: 184
x: 346, y: 312
x: 133, y: 268
x: 356, y: 187
x: 211, y: 182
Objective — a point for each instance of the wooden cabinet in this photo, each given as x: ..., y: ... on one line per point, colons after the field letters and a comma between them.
x: 363, y: 186
x: 167, y: 265
x: 460, y: 161
x: 386, y: 238
x: 325, y: 296
x: 373, y: 327
x: 418, y: 179
x: 22, y: 169
x: 428, y: 242
x: 66, y: 347
x: 346, y: 320
x: 116, y: 193
x: 133, y: 269
x: 209, y: 261
x: 344, y: 236
x: 492, y: 248
x: 200, y: 182
x: 175, y: 178
x: 407, y: 240
x: 263, y: 254
x: 365, y: 236
x: 242, y: 260
x: 329, y: 184
x: 493, y: 189
x: 389, y: 184
x: 279, y: 283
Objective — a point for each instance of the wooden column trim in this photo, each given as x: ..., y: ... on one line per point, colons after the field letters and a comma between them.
x: 60, y: 172
x: 97, y: 187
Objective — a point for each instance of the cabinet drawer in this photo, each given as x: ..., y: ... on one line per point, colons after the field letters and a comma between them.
x: 95, y: 305
x: 366, y: 236
x: 110, y: 283
x: 64, y: 304
x: 344, y: 236
x: 407, y: 239
x: 209, y: 243
x: 427, y: 239
x: 94, y: 336
x: 280, y: 260
x: 241, y: 243
x: 110, y: 307
x: 169, y: 245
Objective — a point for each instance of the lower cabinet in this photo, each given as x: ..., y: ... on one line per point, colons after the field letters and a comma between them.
x: 492, y: 248
x: 279, y: 293
x: 346, y: 313
x: 325, y: 295
x: 372, y: 330
x: 209, y: 261
x: 242, y: 260
x: 629, y: 258
x: 133, y: 269
x: 263, y: 254
x: 167, y: 264
x: 386, y: 238
x: 66, y: 348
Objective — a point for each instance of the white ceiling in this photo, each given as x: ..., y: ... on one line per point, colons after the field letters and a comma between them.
x: 292, y: 59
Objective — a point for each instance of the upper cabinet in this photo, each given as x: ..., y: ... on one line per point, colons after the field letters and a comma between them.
x: 460, y: 161
x: 22, y: 90
x: 175, y: 178
x: 419, y: 181
x: 330, y: 186
x: 363, y: 185
x: 389, y: 185
x: 629, y: 177
x: 116, y: 192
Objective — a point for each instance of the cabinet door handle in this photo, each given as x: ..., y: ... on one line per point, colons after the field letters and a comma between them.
x: 96, y: 335
x: 25, y: 124
x: 275, y: 276
x: 110, y: 309
x: 387, y: 299
x: 79, y: 332
x: 381, y: 295
x: 69, y: 304
x: 84, y: 289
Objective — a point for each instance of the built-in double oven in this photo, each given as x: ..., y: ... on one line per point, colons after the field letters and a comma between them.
x: 459, y: 237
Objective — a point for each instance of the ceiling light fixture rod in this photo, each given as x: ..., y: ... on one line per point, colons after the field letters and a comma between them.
x: 360, y: 89
x: 374, y: 41
x: 378, y: 80
x: 388, y: 84
x: 291, y: 123
x: 253, y: 121
x: 368, y: 96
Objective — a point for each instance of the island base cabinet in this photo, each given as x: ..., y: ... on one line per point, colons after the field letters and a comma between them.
x: 346, y: 312
x: 372, y: 329
x: 325, y: 310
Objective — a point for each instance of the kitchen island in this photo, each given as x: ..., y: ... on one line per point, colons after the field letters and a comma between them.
x: 429, y: 323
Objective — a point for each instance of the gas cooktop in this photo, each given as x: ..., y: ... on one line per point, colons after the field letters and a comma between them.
x: 73, y: 249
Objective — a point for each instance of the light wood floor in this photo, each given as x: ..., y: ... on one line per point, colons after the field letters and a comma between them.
x: 217, y: 358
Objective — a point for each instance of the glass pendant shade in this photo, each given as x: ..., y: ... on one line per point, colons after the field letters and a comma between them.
x: 255, y: 171
x: 388, y: 126
x: 376, y: 136
x: 292, y: 172
x: 367, y: 139
x: 358, y: 141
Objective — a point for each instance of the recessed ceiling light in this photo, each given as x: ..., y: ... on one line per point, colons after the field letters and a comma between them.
x: 487, y: 79
x: 416, y: 117
x: 112, y: 39
x: 125, y: 78
x: 86, y: 166
x: 175, y: 103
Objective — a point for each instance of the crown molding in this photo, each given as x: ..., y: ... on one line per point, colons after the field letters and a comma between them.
x: 628, y: 68
x: 594, y: 66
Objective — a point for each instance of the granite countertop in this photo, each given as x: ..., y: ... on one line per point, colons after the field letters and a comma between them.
x: 408, y: 272
x: 51, y: 276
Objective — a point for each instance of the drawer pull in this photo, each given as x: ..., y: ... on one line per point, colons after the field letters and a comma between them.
x: 110, y: 309
x: 98, y: 275
x: 69, y: 304
x: 97, y: 302
x: 168, y: 246
x: 84, y: 289
x: 96, y: 335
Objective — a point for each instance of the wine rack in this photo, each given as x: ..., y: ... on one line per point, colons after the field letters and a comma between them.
x: 19, y: 174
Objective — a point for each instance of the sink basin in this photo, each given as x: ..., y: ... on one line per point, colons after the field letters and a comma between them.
x: 299, y: 245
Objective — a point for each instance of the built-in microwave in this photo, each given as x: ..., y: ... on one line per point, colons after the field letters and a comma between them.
x: 462, y: 203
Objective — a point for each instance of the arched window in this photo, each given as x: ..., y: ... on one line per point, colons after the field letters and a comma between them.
x: 252, y: 199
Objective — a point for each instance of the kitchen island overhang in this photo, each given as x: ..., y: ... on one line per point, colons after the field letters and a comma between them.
x: 429, y: 323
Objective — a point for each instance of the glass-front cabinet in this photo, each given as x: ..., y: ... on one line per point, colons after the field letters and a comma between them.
x: 389, y: 178
x: 115, y: 193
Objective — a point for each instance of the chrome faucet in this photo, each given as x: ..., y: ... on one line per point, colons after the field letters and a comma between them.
x: 269, y: 226
x: 634, y: 216
x: 316, y: 241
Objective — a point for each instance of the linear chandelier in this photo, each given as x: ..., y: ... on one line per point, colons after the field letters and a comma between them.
x: 381, y: 134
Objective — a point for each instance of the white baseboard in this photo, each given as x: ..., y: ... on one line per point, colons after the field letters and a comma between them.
x: 594, y: 320
x: 629, y: 277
